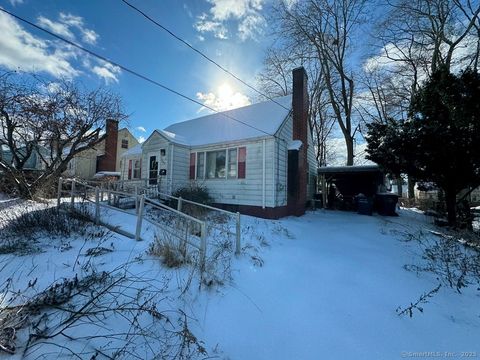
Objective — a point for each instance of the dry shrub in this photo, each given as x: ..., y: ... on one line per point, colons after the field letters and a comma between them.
x: 171, y: 252
x: 24, y: 227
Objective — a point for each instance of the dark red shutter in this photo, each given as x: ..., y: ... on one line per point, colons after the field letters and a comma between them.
x: 192, y: 166
x: 242, y: 161
x: 129, y: 169
x: 140, y: 170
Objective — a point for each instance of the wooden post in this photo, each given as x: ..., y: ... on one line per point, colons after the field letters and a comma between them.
x: 136, y: 198
x: 109, y: 197
x: 237, y: 242
x: 97, y: 205
x: 183, y: 247
x: 59, y: 191
x: 179, y: 204
x: 101, y: 192
x: 139, y: 218
x: 203, y: 246
x: 324, y: 192
x: 72, y: 194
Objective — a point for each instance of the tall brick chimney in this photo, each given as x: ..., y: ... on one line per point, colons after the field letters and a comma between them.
x: 108, y: 161
x: 297, y: 159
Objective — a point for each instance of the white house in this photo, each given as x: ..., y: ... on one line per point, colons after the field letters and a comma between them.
x: 258, y: 159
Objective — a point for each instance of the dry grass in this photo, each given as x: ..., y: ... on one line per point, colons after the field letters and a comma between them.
x: 169, y: 250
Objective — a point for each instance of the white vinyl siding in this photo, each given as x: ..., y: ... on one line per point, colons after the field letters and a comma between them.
x: 285, y: 135
x: 124, y: 165
x: 246, y: 191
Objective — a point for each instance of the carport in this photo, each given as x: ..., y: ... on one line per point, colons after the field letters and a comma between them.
x: 351, y: 181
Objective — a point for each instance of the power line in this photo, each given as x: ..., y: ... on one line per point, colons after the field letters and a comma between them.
x: 130, y: 71
x: 200, y: 52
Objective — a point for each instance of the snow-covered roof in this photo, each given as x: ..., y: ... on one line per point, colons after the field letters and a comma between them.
x: 174, y: 137
x: 295, y: 145
x: 136, y: 150
x: 106, y: 173
x: 256, y: 120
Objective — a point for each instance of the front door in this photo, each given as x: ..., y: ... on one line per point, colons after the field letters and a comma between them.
x: 153, y: 170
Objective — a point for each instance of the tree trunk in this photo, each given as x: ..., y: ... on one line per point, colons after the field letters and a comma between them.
x: 451, y: 202
x: 411, y: 188
x: 349, y: 144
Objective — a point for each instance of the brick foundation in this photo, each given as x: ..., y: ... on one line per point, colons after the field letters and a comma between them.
x: 257, y: 211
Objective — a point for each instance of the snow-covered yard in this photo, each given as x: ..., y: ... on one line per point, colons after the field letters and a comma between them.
x: 325, y: 285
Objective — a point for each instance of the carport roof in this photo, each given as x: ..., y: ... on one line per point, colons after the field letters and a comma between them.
x: 349, y: 169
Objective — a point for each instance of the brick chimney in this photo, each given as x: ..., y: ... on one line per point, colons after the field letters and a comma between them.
x: 297, y: 159
x: 108, y: 161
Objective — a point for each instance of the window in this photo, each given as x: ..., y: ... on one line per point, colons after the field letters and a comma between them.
x: 200, y: 165
x: 216, y: 164
x: 137, y: 169
x: 232, y: 163
x: 124, y: 143
x: 221, y: 164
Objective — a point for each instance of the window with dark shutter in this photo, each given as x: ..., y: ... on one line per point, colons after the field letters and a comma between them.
x: 192, y: 166
x: 129, y: 169
x: 242, y: 162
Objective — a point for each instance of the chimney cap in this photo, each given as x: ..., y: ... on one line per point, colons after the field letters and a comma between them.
x: 300, y: 69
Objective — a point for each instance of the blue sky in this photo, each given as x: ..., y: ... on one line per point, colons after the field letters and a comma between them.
x: 232, y: 32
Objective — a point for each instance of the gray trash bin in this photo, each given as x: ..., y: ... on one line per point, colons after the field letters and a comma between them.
x: 386, y: 204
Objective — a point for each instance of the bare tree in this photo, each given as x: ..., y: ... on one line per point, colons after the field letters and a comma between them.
x: 52, y: 121
x: 416, y: 38
x: 275, y: 80
x: 326, y: 28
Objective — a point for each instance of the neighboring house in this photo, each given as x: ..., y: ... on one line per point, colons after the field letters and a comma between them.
x: 262, y: 162
x: 430, y: 193
x: 105, y: 156
x: 34, y: 161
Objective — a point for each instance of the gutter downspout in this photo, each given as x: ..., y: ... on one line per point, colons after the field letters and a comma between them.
x: 275, y: 147
x: 263, y: 176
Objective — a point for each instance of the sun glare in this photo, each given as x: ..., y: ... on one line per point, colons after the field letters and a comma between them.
x: 225, y: 92
x: 229, y: 98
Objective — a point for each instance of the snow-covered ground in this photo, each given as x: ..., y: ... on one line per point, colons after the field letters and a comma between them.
x: 322, y: 286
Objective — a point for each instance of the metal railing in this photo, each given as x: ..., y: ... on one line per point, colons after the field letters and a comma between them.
x: 140, y: 186
x: 187, y: 229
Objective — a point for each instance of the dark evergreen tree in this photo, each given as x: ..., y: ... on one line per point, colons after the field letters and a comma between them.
x: 440, y: 142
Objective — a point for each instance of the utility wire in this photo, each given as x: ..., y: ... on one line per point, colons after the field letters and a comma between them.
x: 133, y: 72
x: 200, y: 52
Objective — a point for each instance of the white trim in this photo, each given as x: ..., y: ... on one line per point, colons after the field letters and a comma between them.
x: 227, y: 163
x: 171, y: 168
x: 157, y: 156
